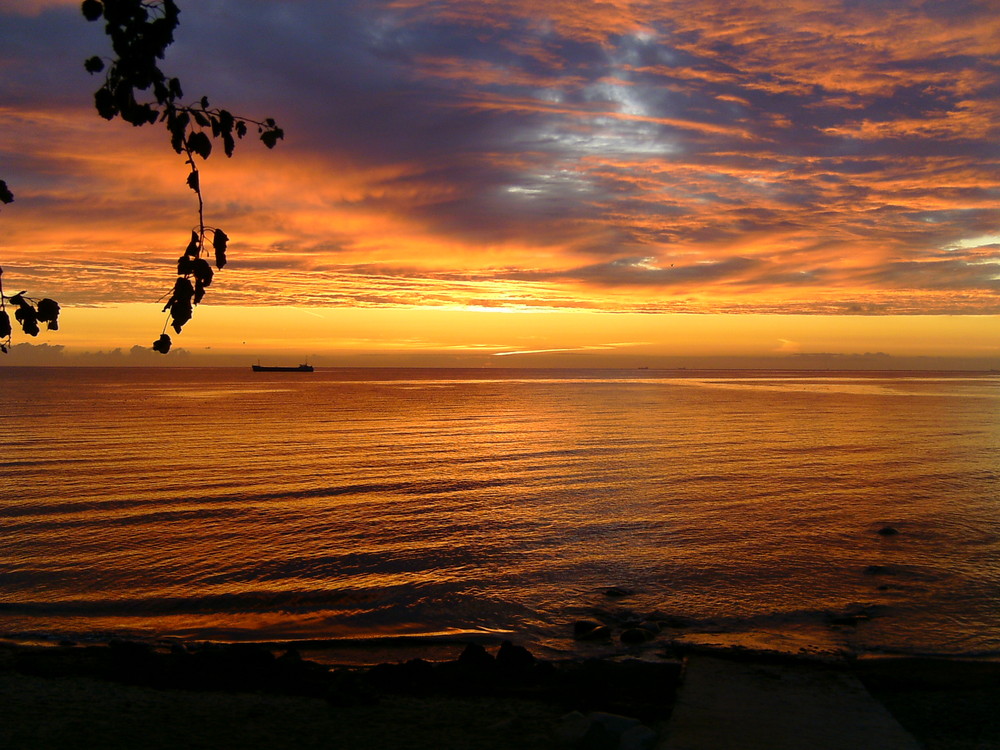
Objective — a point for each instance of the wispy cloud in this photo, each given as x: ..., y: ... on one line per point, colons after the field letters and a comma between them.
x: 705, y: 156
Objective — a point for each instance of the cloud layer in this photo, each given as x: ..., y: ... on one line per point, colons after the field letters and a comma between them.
x: 624, y: 155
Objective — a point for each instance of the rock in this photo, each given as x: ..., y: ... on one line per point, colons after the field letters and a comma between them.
x: 633, y: 636
x: 476, y: 657
x: 514, y: 658
x: 614, y: 723
x: 508, y: 725
x: 413, y: 676
x: 852, y: 615
x: 418, y: 672
x: 602, y: 731
x: 598, y: 737
x: 346, y: 689
x: 639, y: 737
x: 571, y: 728
x: 125, y: 648
x: 595, y: 731
x: 133, y: 663
x: 238, y: 666
x: 616, y: 592
x: 887, y: 531
x: 588, y: 630
x: 675, y: 621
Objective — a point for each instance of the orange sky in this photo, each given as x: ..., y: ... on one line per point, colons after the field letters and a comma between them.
x: 630, y: 181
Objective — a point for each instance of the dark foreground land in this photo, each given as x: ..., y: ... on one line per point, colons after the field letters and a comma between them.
x: 127, y: 695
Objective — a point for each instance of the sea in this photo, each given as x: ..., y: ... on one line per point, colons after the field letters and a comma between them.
x: 381, y: 511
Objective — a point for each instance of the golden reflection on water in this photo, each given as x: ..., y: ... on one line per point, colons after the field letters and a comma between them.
x: 219, y: 502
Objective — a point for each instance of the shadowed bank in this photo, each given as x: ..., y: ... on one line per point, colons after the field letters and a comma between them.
x: 131, y: 695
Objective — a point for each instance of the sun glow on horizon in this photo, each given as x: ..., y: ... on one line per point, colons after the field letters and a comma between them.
x: 478, y: 338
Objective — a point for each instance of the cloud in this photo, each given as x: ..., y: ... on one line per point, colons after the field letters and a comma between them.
x: 620, y: 155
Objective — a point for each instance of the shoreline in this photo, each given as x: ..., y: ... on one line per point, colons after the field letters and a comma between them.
x: 477, y: 696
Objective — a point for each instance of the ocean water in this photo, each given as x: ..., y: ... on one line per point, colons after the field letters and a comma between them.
x: 396, y: 506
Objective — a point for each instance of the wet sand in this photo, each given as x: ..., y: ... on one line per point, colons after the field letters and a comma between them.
x: 131, y: 696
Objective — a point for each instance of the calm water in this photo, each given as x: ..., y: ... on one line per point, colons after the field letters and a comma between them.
x: 739, y: 507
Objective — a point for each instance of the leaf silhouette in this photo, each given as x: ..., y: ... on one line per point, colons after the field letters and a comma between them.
x: 28, y: 319
x: 202, y: 271
x: 48, y: 310
x: 270, y: 137
x: 162, y: 344
x: 136, y: 90
x: 219, y: 241
x: 200, y: 144
x: 180, y: 312
x: 92, y: 9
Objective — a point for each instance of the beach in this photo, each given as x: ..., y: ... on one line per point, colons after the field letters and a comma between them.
x: 125, y: 695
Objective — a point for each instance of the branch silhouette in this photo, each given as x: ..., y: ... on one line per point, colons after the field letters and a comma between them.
x: 27, y: 311
x: 138, y: 92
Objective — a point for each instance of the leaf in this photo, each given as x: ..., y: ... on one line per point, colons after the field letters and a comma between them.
x: 104, y: 102
x: 202, y: 272
x: 204, y: 102
x: 184, y: 265
x: 5, y: 329
x: 271, y: 137
x: 200, y: 144
x: 199, y: 292
x: 48, y: 310
x: 92, y: 9
x: 183, y: 291
x: 193, y: 245
x: 174, y: 86
x: 5, y: 195
x: 219, y: 241
x: 28, y: 319
x: 93, y: 64
x: 181, y: 313
x: 177, y: 125
x: 241, y: 129
x: 162, y: 344
x: 193, y: 182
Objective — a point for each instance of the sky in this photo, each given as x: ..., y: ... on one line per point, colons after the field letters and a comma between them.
x: 516, y: 183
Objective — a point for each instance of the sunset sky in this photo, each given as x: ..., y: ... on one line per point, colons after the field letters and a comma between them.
x: 522, y: 183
